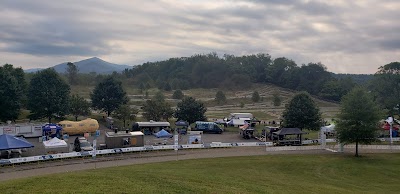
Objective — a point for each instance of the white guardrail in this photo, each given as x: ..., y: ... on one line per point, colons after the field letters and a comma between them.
x: 150, y: 148
x: 129, y: 149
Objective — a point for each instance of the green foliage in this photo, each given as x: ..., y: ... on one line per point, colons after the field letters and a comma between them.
x: 255, y: 97
x: 220, y: 97
x: 167, y: 87
x: 190, y: 110
x: 125, y: 113
x: 386, y: 87
x: 72, y: 73
x: 276, y: 99
x: 358, y: 119
x: 302, y: 112
x: 241, y: 104
x: 108, y: 95
x: 48, y: 95
x: 157, y: 108
x: 78, y: 106
x: 141, y: 87
x: 12, y: 92
x: 178, y: 94
x: 308, y: 173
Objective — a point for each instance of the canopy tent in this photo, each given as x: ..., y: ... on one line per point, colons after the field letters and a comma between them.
x: 52, y: 129
x: 162, y: 134
x: 328, y: 129
x: 182, y: 123
x: 289, y: 131
x: 55, y: 143
x: 8, y: 142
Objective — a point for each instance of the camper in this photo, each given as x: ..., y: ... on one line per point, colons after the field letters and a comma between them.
x: 148, y: 128
x: 79, y: 127
x: 124, y: 139
x: 242, y: 116
x: 207, y: 127
x: 23, y: 130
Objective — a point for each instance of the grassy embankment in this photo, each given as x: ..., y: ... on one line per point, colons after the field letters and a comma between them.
x: 258, y: 174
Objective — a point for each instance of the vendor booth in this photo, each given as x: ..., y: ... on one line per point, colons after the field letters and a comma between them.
x: 123, y: 139
x: 51, y: 130
x: 10, y: 146
x: 288, y: 136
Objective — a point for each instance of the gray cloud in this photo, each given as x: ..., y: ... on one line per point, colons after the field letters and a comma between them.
x: 338, y: 33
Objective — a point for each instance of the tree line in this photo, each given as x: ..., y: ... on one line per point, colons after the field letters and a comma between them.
x: 233, y: 72
x: 47, y: 96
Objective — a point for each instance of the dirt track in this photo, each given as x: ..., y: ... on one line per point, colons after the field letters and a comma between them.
x: 51, y: 167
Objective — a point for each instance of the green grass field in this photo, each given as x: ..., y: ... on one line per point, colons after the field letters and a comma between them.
x: 377, y: 173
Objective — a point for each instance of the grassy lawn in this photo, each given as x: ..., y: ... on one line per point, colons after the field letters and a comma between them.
x: 259, y: 174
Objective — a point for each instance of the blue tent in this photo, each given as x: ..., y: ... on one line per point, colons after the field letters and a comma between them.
x: 162, y: 134
x: 53, y: 130
x: 8, y: 142
x: 182, y: 123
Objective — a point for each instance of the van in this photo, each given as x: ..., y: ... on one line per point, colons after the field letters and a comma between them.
x: 207, y: 127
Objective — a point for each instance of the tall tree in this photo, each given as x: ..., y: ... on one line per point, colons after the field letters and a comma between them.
x: 12, y: 92
x: 386, y: 85
x: 125, y: 113
x: 190, y: 110
x: 178, y: 94
x: 72, y: 73
x: 157, y: 108
x: 48, y: 95
x: 302, y: 112
x: 220, y: 97
x: 79, y: 106
x: 108, y: 95
x: 276, y: 99
x: 255, y: 97
x: 358, y: 118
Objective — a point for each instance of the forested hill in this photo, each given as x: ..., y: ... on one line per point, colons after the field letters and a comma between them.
x: 357, y: 78
x: 212, y: 71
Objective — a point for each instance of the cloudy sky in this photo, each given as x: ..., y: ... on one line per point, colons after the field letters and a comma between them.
x: 346, y: 36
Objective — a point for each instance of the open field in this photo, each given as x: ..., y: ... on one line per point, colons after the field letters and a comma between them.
x: 377, y: 173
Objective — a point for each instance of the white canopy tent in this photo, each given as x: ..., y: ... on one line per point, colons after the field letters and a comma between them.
x: 55, y: 143
x: 328, y: 129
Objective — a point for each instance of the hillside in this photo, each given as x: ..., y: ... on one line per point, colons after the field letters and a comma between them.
x: 90, y: 65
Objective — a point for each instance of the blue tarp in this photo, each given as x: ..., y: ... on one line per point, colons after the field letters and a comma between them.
x: 8, y: 142
x: 162, y: 134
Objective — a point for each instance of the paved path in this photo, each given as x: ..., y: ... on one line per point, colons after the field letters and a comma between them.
x: 52, y: 167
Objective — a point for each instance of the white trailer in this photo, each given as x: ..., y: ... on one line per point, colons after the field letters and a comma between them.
x: 24, y: 130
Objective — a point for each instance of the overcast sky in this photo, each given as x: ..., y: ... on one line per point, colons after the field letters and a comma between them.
x: 346, y: 36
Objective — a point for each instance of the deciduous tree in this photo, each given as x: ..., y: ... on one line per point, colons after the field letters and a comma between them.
x: 220, y: 97
x: 178, y: 94
x: 79, y: 106
x: 302, y: 112
x: 48, y: 95
x: 157, y: 108
x: 255, y: 97
x: 125, y: 113
x: 358, y: 118
x: 108, y: 95
x: 190, y: 110
x: 72, y: 73
x: 12, y: 92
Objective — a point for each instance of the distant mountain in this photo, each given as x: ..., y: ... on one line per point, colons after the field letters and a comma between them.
x: 93, y: 64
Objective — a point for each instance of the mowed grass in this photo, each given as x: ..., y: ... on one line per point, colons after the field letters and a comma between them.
x: 377, y: 173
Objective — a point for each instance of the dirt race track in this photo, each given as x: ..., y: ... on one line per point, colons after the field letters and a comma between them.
x: 77, y: 164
